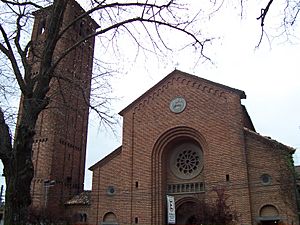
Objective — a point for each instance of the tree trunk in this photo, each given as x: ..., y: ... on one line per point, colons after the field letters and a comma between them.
x: 19, y: 174
x: 18, y: 179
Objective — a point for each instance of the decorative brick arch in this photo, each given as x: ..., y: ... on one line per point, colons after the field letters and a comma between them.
x: 109, y: 219
x: 188, y: 211
x: 173, y: 135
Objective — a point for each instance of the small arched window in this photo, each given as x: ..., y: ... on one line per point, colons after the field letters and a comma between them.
x: 84, y: 217
x: 269, y: 211
x: 42, y: 26
x: 109, y: 219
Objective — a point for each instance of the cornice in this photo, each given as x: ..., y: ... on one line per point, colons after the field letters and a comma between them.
x: 215, y: 89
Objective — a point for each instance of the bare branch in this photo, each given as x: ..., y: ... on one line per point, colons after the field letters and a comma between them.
x: 264, y: 12
x: 262, y: 18
x: 196, y: 41
x: 22, y: 53
x: 17, y: 3
x: 10, y: 55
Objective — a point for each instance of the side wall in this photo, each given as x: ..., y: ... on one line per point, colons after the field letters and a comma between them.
x: 108, y: 193
x: 264, y: 158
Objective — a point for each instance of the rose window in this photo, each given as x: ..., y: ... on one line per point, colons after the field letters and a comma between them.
x: 186, y: 161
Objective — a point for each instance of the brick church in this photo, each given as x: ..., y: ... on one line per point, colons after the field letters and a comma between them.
x: 183, y: 138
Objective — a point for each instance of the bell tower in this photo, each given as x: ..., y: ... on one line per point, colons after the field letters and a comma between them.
x: 59, y: 149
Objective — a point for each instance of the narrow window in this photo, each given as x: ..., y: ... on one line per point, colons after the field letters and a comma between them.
x: 136, y: 184
x: 42, y: 26
x: 227, y: 177
x: 136, y: 220
x: 84, y: 217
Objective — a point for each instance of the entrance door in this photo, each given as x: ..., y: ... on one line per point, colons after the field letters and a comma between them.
x: 269, y: 215
x: 186, y: 213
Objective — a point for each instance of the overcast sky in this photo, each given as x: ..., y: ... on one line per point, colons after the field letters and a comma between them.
x: 269, y: 75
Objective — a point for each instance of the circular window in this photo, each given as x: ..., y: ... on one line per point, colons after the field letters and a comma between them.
x: 110, y: 190
x: 186, y: 161
x: 265, y: 179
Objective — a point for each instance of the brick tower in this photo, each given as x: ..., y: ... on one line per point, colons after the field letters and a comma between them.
x: 59, y: 148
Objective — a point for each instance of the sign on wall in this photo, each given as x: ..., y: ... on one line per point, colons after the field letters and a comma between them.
x: 171, y: 209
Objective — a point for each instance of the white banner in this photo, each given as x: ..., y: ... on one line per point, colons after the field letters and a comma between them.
x: 171, y: 209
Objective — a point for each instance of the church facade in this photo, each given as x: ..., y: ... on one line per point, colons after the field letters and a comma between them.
x: 184, y: 138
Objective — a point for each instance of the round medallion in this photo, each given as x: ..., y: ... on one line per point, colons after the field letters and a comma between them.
x: 177, y: 105
x: 186, y: 161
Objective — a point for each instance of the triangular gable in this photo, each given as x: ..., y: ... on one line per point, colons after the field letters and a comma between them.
x: 269, y: 141
x: 107, y: 158
x: 187, y: 76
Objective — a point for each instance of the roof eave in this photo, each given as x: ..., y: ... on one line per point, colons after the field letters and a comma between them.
x: 241, y: 93
x: 107, y: 158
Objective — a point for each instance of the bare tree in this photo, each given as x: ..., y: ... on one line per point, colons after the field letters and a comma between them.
x: 212, y: 211
x: 115, y: 18
x: 287, y: 11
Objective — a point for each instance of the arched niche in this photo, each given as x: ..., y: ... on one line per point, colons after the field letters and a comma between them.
x: 109, y: 219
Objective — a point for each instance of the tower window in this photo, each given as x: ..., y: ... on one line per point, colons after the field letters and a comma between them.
x: 69, y: 180
x: 83, y: 217
x: 42, y: 26
x: 81, y: 29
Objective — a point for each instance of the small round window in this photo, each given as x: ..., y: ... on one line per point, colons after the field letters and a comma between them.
x: 111, y: 190
x: 265, y: 179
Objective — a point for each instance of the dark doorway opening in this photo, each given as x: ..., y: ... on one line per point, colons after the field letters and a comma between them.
x: 269, y: 222
x: 185, y: 213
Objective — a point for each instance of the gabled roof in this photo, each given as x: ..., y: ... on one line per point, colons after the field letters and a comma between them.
x: 84, y: 198
x: 107, y: 158
x: 247, y: 119
x: 273, y: 143
x: 178, y: 72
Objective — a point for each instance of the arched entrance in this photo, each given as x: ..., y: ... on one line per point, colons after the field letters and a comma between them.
x: 187, y: 212
x: 269, y: 215
x: 177, y: 169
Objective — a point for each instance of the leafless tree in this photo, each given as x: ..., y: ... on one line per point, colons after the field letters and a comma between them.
x: 138, y: 19
x: 212, y: 211
x: 287, y: 11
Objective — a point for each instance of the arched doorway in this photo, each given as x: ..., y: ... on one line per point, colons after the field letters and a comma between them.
x: 187, y: 213
x: 269, y: 215
x: 177, y: 168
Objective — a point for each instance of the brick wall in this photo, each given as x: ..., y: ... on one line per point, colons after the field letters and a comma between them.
x: 213, y: 118
x: 108, y: 193
x: 59, y: 149
x: 266, y: 156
